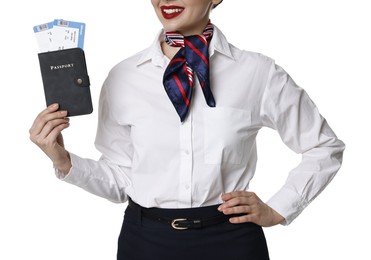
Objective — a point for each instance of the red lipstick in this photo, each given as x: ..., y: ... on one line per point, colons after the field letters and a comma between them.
x: 171, y: 11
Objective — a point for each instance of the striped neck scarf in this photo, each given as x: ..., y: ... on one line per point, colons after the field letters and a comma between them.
x: 192, y: 58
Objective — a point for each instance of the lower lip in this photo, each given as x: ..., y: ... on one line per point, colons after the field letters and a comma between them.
x: 170, y: 16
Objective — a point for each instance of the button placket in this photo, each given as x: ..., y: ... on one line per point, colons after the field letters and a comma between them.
x: 186, y: 164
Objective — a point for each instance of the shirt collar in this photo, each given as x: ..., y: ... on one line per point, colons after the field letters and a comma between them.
x: 220, y: 44
x: 154, y: 53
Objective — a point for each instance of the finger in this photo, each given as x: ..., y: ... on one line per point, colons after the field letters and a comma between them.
x: 47, y: 114
x: 45, y: 119
x: 244, y: 209
x: 55, y: 134
x: 53, y: 128
x: 52, y: 117
x: 238, y: 198
x: 49, y: 109
x: 234, y: 202
x: 242, y: 219
x: 236, y: 194
x: 49, y: 132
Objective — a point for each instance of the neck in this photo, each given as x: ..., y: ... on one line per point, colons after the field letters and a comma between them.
x: 196, y: 31
x: 168, y: 50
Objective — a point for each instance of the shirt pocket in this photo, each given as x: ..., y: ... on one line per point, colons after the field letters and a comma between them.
x: 226, y: 133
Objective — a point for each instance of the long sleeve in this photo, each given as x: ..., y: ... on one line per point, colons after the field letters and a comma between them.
x: 100, y: 178
x: 106, y: 177
x: 288, y: 109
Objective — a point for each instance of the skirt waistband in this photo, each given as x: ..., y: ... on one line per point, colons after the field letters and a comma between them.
x: 181, y: 219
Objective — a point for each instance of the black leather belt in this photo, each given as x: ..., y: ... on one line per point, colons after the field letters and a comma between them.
x: 181, y: 223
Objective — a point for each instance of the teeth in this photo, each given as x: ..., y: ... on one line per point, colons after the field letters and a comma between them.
x: 171, y: 11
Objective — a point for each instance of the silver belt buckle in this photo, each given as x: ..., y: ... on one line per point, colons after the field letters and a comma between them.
x: 174, y: 224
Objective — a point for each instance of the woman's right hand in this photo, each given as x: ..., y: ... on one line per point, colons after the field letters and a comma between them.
x: 46, y: 131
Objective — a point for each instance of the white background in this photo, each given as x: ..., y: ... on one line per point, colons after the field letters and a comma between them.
x: 323, y: 44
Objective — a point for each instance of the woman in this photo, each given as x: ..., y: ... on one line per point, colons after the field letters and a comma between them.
x: 177, y: 128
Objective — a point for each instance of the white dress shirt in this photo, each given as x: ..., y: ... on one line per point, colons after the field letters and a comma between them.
x: 150, y: 156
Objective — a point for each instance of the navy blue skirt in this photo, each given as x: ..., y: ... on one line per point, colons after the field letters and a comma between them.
x: 144, y: 238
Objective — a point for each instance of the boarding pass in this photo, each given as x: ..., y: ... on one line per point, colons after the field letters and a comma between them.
x: 59, y: 35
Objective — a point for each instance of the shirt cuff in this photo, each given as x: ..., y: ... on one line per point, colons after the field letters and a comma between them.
x: 288, y: 204
x: 73, y: 171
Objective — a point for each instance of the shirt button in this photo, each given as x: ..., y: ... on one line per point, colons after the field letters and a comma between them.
x: 186, y: 152
x: 186, y: 187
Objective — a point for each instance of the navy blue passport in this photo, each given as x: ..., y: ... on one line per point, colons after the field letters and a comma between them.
x: 66, y: 81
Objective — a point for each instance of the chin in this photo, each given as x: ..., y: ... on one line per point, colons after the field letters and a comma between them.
x: 171, y: 26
